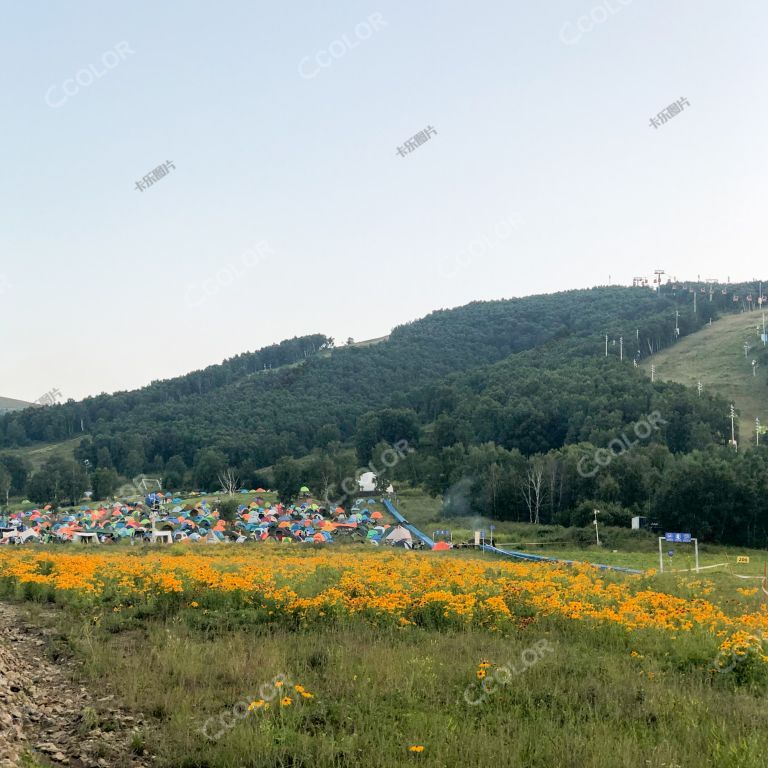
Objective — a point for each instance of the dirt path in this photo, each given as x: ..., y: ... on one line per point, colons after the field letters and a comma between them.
x: 46, y: 716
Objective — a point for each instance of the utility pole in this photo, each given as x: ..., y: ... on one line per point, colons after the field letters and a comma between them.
x: 606, y: 345
x: 597, y: 534
x: 757, y: 430
x: 733, y: 428
x: 653, y: 373
x: 677, y: 322
x: 694, y: 303
x: 621, y: 348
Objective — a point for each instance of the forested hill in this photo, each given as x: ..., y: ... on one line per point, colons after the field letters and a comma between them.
x: 293, y: 397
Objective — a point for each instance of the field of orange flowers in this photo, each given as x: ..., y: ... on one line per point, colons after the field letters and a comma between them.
x: 383, y: 588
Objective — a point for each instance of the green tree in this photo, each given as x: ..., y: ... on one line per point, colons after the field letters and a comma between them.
x: 5, y: 485
x: 288, y: 478
x: 175, y: 473
x: 18, y: 468
x: 208, y: 464
x: 59, y: 481
x: 104, y: 482
x: 228, y: 509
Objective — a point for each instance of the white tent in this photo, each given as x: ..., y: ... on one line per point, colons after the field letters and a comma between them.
x: 399, y: 536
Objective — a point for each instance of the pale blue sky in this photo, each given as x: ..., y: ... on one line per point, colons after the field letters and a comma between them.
x: 544, y: 159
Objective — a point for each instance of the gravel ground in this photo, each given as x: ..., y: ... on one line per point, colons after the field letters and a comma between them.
x: 46, y: 717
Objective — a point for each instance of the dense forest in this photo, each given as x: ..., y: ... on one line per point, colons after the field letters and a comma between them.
x: 498, y: 403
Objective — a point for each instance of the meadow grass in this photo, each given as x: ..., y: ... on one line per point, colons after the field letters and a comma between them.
x: 715, y: 356
x: 376, y: 692
x: 600, y: 694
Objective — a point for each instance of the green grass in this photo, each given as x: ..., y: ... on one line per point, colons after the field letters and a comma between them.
x: 38, y: 454
x: 715, y: 356
x: 620, y: 546
x: 586, y: 702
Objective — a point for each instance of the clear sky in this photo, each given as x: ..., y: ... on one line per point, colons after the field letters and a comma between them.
x: 288, y: 209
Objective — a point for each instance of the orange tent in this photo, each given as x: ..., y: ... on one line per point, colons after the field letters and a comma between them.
x: 442, y: 545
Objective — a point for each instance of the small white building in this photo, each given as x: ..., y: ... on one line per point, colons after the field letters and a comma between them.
x: 367, y: 483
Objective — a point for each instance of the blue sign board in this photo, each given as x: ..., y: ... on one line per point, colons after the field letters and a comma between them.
x: 682, y: 538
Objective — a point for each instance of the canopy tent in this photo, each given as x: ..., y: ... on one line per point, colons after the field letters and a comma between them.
x: 399, y: 536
